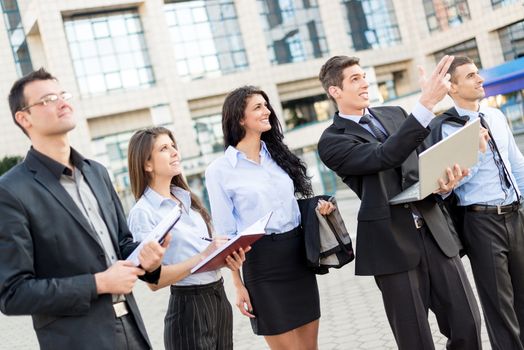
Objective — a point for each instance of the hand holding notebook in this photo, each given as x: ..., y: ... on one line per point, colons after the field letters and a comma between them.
x: 217, y: 259
x: 159, y: 233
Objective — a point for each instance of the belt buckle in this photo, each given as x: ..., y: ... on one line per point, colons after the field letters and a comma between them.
x: 499, y: 210
x: 419, y: 222
x: 120, y: 309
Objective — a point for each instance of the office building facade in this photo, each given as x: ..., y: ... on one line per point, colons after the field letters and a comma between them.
x: 132, y: 64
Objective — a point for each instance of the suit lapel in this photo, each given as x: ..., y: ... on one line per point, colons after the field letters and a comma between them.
x: 352, y: 128
x: 43, y: 176
x: 384, y: 119
x: 409, y: 169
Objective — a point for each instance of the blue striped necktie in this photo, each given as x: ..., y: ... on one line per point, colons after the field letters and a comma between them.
x: 379, y: 134
x: 505, y: 179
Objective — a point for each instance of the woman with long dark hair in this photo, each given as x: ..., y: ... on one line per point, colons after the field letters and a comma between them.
x: 199, y: 315
x: 257, y: 174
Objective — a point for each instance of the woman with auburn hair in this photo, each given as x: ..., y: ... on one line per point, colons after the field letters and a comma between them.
x: 257, y: 174
x: 199, y: 315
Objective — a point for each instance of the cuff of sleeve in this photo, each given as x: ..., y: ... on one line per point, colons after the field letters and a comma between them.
x: 445, y: 195
x: 482, y: 156
x: 151, y: 277
x: 94, y: 293
x: 422, y: 114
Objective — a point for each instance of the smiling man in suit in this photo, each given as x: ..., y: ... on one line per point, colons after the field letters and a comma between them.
x: 63, y: 234
x: 408, y: 248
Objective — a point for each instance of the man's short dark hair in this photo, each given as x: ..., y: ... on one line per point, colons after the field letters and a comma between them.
x: 332, y: 72
x: 16, y: 95
x: 457, y: 62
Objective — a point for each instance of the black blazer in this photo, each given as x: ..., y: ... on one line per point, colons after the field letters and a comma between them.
x: 49, y: 254
x: 387, y: 240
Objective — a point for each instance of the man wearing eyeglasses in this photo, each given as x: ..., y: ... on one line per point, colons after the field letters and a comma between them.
x: 63, y: 234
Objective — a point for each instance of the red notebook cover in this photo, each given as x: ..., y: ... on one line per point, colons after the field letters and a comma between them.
x: 217, y: 259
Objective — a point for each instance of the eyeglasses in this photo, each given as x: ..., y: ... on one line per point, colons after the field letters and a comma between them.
x: 52, y: 98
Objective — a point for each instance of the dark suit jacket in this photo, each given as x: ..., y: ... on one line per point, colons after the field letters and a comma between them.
x: 387, y: 240
x: 49, y: 255
x: 453, y: 212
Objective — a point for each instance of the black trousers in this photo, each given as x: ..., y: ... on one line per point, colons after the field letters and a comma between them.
x: 199, y: 318
x: 438, y: 283
x: 495, y: 246
x: 128, y: 336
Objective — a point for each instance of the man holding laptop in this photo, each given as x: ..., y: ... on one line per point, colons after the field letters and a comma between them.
x: 408, y: 247
x: 489, y: 199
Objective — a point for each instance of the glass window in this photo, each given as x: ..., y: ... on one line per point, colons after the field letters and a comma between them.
x: 499, y: 3
x: 306, y: 110
x: 111, y: 151
x: 371, y: 24
x: 387, y: 89
x: 109, y: 51
x: 512, y: 105
x: 293, y: 30
x: 16, y: 35
x: 512, y: 41
x: 206, y: 38
x: 209, y: 134
x: 444, y: 14
x: 467, y: 48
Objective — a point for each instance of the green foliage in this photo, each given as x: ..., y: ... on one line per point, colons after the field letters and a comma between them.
x: 7, y: 163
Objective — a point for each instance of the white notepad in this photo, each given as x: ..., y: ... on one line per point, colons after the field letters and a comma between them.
x: 159, y: 233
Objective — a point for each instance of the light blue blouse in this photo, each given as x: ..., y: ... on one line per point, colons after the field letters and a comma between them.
x: 187, y: 233
x: 242, y: 191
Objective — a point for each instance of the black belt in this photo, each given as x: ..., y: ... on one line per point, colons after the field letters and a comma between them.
x: 297, y: 231
x: 494, y: 209
x: 197, y: 289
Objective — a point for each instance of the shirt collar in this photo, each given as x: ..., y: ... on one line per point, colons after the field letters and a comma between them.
x: 183, y: 196
x: 471, y: 114
x: 232, y: 154
x: 56, y: 168
x: 156, y: 199
x: 355, y: 118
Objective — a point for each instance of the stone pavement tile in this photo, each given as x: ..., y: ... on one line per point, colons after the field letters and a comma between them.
x: 348, y: 341
x: 374, y: 344
x: 369, y: 332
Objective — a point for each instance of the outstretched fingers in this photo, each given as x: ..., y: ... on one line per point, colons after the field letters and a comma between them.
x: 442, y: 67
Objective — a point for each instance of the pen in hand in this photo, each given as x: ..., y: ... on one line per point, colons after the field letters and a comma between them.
x: 211, y: 239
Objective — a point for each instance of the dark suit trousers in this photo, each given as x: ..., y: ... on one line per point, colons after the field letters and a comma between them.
x: 128, y: 336
x: 495, y: 246
x: 438, y: 283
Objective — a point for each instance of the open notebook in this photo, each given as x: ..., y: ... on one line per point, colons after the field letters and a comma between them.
x: 217, y: 259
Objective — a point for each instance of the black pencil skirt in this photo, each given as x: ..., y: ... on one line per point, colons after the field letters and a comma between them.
x: 282, y: 290
x: 199, y: 318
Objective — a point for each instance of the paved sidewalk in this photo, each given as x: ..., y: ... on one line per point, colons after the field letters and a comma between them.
x: 353, y: 317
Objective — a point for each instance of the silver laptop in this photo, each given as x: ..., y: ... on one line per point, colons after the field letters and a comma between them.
x: 459, y: 148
